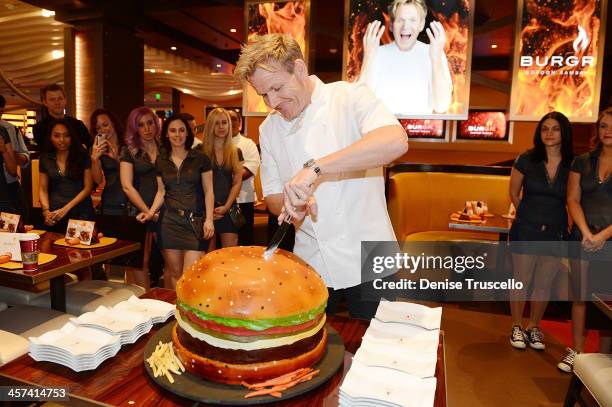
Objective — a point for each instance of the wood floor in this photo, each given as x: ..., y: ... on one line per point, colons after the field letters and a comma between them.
x: 484, y: 370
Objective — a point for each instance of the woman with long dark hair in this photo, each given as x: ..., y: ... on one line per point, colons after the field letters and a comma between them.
x: 541, y: 174
x: 589, y: 200
x: 107, y: 134
x: 184, y: 188
x: 138, y: 177
x: 65, y: 178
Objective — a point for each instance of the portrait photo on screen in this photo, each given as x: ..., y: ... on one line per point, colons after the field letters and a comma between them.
x: 285, y: 17
x: 484, y: 125
x: 425, y: 129
x: 415, y: 55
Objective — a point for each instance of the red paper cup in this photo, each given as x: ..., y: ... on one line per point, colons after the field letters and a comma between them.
x: 29, y: 251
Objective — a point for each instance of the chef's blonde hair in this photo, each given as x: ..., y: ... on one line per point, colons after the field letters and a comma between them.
x: 420, y: 5
x: 267, y: 52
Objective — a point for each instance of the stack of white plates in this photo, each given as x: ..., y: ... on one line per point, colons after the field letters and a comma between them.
x: 78, y: 348
x: 396, y: 362
x: 157, y: 311
x: 128, y: 325
x: 366, y: 386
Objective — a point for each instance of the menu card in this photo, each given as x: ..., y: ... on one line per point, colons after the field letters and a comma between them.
x: 10, y: 222
x: 83, y: 230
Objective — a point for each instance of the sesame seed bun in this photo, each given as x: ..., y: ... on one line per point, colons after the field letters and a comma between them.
x: 237, y: 283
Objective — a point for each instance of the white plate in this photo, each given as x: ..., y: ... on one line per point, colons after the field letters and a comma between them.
x: 397, y: 334
x: 156, y: 310
x: 409, y: 313
x: 413, y: 362
x: 75, y: 340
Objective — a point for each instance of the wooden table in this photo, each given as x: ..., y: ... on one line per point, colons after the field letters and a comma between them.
x: 494, y: 224
x: 68, y: 260
x: 123, y: 381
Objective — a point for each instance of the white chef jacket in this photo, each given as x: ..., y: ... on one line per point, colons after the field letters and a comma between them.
x: 251, y: 162
x: 351, y: 205
x: 403, y: 79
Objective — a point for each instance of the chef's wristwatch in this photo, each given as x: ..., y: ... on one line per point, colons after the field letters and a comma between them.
x: 313, y: 164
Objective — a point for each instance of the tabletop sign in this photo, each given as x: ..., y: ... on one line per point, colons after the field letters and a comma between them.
x: 10, y: 222
x: 9, y: 243
x: 83, y: 230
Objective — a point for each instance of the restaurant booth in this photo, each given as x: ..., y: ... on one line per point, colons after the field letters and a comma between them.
x: 239, y: 327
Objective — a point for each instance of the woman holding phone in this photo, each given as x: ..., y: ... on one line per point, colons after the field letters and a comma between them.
x: 185, y: 188
x: 105, y: 161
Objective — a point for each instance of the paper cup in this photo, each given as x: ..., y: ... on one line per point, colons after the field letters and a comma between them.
x: 29, y: 251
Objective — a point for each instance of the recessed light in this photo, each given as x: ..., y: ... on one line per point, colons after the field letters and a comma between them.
x: 333, y: 50
x: 233, y: 30
x: 186, y: 90
x: 218, y: 65
x: 173, y: 48
x: 493, y: 46
x: 57, y: 54
x: 167, y: 72
x: 152, y: 70
x: 47, y: 13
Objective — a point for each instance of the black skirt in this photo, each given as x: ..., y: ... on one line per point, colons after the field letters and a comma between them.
x: 540, y: 240
x: 175, y: 232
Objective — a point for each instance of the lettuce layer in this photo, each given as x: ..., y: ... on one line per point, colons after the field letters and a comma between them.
x: 258, y: 324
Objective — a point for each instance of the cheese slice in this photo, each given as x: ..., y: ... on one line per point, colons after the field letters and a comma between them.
x: 261, y: 344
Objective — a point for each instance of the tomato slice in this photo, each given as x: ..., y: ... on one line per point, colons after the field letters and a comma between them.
x: 213, y: 326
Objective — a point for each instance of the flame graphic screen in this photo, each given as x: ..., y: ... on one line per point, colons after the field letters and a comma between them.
x: 557, y: 59
x: 454, y: 15
x: 483, y: 125
x: 288, y: 17
x: 424, y: 128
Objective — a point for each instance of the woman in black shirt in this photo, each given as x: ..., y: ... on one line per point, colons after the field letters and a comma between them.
x: 105, y: 130
x: 227, y: 173
x: 541, y: 173
x: 65, y: 178
x: 139, y: 181
x: 589, y: 200
x: 184, y: 187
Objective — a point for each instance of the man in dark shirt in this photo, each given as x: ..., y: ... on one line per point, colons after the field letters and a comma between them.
x: 54, y: 100
x: 7, y: 160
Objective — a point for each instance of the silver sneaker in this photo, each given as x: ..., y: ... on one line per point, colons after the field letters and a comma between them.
x: 518, y: 338
x: 567, y: 364
x: 535, y: 337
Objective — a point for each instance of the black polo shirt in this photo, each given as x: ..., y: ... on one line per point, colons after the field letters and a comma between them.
x: 5, y: 197
x: 596, y: 198
x: 145, y: 173
x: 543, y: 201
x: 184, y: 185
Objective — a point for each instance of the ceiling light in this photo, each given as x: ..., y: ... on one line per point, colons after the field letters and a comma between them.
x: 47, y: 13
x: 186, y: 90
x: 333, y: 50
x: 57, y: 54
x: 493, y: 46
x: 173, y: 48
x: 167, y: 72
x: 152, y: 70
x: 218, y: 65
x: 56, y: 38
x: 233, y: 30
x: 55, y: 44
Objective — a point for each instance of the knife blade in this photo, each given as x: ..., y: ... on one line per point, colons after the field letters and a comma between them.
x: 277, y: 238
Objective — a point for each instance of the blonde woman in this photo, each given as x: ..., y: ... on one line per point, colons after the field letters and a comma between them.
x: 226, y: 159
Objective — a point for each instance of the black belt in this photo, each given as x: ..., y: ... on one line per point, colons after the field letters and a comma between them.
x: 541, y: 227
x: 184, y: 213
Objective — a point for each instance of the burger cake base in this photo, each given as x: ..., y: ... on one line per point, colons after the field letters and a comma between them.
x: 194, y: 387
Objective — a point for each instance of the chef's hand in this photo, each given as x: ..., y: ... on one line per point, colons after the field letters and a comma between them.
x: 298, y: 192
x: 371, y: 38
x: 437, y: 40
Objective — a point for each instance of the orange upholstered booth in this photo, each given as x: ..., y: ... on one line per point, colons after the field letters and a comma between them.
x: 421, y: 198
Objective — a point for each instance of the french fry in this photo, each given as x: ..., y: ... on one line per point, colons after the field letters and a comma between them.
x: 163, y: 362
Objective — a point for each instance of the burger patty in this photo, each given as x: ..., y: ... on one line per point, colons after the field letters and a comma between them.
x: 238, y: 356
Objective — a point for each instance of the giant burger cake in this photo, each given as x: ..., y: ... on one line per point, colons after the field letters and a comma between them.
x: 241, y: 318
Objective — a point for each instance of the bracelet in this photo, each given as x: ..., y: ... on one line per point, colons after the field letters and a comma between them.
x: 313, y: 164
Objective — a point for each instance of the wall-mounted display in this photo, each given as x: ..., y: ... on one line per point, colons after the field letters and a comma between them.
x: 425, y: 129
x: 286, y: 17
x: 558, y: 59
x: 416, y: 57
x: 484, y: 125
